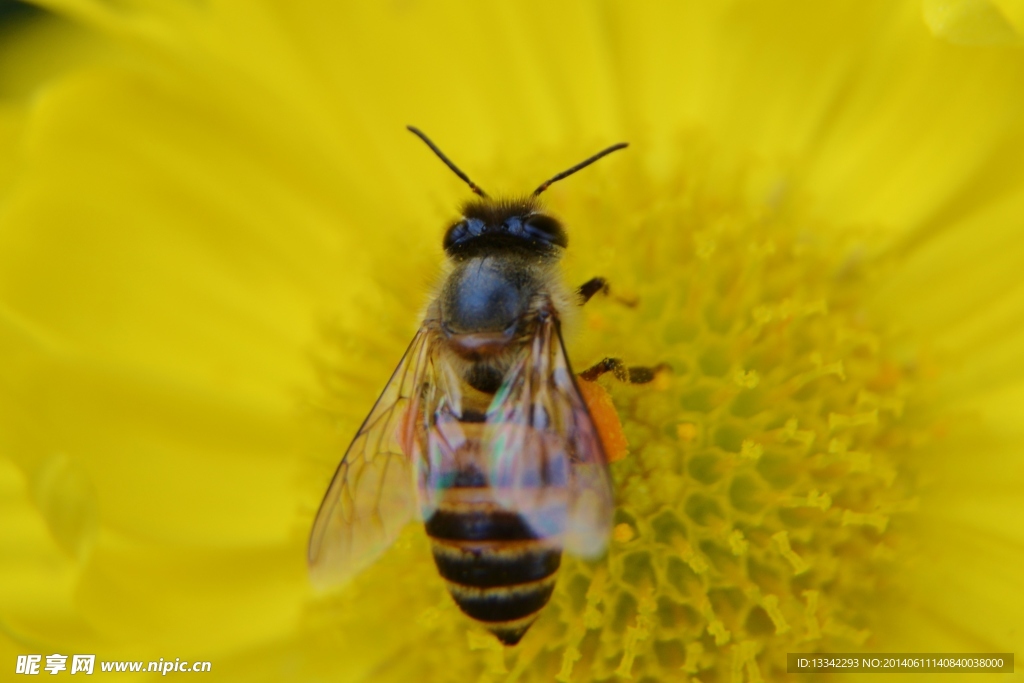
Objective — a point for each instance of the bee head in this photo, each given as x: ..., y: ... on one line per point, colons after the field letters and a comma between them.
x: 491, y: 226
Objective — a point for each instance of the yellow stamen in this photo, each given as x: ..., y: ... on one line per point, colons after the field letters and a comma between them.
x: 811, y: 615
x: 771, y: 606
x: 570, y: 656
x: 782, y: 543
x: 837, y: 421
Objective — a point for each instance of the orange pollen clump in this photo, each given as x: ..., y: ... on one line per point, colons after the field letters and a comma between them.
x: 606, y: 419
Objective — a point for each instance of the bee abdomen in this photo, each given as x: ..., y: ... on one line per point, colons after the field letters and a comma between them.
x: 507, y: 610
x: 496, y: 569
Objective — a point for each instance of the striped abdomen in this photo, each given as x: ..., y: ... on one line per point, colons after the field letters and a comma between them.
x: 495, y: 567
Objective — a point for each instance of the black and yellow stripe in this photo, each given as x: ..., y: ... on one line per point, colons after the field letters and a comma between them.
x: 495, y: 567
x: 500, y: 571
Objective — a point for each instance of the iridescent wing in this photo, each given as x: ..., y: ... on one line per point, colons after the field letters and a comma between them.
x: 542, y: 395
x: 372, y: 494
x: 543, y: 455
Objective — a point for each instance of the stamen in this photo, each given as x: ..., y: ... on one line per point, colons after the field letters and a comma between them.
x: 771, y: 606
x: 694, y: 652
x: 811, y: 615
x: 570, y: 656
x: 813, y: 499
x: 738, y: 543
x: 820, y: 370
x: 791, y: 433
x: 750, y: 648
x: 892, y: 404
x: 837, y: 421
x: 782, y: 543
x: 872, y: 519
x: 635, y: 634
x: 848, y: 633
x: 715, y: 626
x: 697, y: 563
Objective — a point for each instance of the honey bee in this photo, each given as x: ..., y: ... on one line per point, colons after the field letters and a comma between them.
x: 481, y: 431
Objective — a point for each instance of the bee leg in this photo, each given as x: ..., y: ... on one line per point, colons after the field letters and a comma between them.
x: 591, y: 287
x: 599, y: 285
x: 634, y: 375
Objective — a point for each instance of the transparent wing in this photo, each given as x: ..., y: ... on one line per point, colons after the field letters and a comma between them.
x: 372, y: 494
x: 545, y: 457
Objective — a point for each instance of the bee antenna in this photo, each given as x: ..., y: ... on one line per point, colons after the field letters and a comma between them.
x: 447, y: 162
x: 583, y: 164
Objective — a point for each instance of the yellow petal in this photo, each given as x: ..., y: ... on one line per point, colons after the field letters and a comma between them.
x: 976, y: 22
x: 38, y: 578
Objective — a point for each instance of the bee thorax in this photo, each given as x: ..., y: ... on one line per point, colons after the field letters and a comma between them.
x: 486, y: 294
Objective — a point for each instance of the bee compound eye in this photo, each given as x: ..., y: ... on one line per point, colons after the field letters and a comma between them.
x: 514, y: 226
x: 453, y: 234
x: 463, y: 231
x: 544, y: 227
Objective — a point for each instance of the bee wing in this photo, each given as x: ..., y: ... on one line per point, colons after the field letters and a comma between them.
x: 372, y: 495
x: 547, y: 461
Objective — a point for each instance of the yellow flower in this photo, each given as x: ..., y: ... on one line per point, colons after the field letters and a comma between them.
x: 215, y: 238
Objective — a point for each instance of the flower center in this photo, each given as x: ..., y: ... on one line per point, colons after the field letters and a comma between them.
x: 757, y: 511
